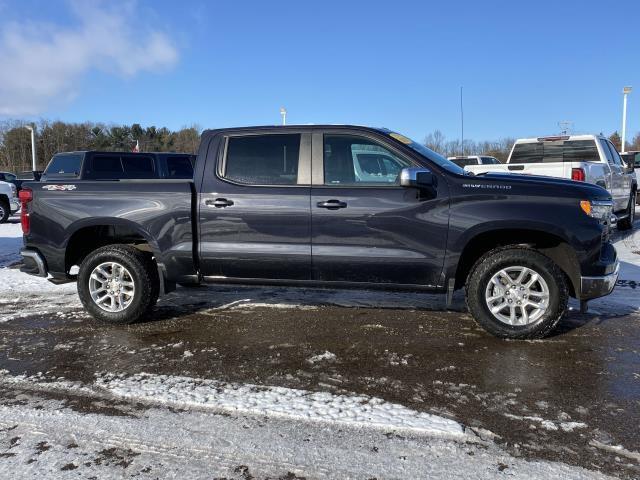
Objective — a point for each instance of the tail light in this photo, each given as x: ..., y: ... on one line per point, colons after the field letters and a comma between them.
x: 25, y: 196
x: 578, y: 174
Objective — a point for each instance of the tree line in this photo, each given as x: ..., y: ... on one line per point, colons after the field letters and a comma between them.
x: 56, y: 136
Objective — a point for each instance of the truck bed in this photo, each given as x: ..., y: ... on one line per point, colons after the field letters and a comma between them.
x: 158, y: 211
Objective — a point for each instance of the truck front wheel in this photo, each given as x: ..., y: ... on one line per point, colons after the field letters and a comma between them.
x: 516, y: 292
x: 118, y: 284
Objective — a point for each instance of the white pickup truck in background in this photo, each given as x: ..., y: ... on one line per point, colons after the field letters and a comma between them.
x: 9, y: 203
x: 584, y: 158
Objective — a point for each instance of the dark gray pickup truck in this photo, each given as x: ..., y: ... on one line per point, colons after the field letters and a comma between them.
x: 330, y: 206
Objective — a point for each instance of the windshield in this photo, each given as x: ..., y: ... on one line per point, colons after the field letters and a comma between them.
x: 428, y: 153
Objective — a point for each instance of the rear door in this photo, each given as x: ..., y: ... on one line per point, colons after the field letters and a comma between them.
x: 617, y: 175
x: 365, y: 227
x: 254, y: 213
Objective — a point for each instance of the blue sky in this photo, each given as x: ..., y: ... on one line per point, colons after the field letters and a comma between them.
x: 524, y: 66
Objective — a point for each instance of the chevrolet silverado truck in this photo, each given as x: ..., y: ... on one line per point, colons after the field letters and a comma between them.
x: 302, y: 206
x: 584, y: 158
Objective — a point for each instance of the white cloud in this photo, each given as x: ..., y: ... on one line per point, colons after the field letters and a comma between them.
x: 43, y: 62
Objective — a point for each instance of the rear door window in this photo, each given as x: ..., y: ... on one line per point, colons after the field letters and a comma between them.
x: 614, y: 153
x: 555, y: 151
x: 263, y: 159
x: 607, y: 152
x: 66, y: 165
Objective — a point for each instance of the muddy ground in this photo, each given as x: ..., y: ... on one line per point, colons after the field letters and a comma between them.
x: 574, y: 397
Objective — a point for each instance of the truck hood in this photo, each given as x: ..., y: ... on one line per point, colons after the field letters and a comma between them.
x: 546, y: 185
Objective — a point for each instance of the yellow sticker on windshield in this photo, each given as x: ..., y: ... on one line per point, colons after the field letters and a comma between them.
x: 401, y: 138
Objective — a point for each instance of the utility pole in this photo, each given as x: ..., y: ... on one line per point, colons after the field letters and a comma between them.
x: 461, y: 124
x: 283, y: 112
x: 32, y: 129
x: 625, y: 92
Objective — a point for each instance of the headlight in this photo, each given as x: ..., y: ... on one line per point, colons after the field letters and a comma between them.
x: 14, y: 190
x: 597, y: 209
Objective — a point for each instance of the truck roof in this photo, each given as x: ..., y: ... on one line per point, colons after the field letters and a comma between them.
x: 122, y: 152
x: 551, y: 138
x: 298, y: 128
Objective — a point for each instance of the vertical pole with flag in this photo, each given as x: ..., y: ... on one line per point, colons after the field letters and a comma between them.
x: 136, y: 149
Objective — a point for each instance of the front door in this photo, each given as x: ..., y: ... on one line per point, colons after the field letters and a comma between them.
x: 254, y: 209
x: 367, y: 228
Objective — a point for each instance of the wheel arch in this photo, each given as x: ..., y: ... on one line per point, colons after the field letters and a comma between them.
x: 549, y: 244
x: 83, y: 237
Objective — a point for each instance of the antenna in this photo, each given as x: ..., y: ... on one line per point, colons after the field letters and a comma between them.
x: 461, y: 125
x: 566, y: 126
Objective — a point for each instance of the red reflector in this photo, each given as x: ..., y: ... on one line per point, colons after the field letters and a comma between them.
x: 25, y: 196
x: 578, y: 175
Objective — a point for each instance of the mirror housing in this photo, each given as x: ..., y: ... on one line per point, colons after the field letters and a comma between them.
x: 419, y: 177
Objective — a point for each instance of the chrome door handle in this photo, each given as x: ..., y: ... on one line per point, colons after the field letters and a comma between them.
x: 332, y: 204
x: 218, y: 203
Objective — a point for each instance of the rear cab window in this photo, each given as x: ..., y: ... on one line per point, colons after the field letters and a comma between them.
x: 270, y: 159
x: 113, y: 166
x: 555, y: 151
x: 179, y: 166
x: 463, y: 162
x: 489, y: 161
x: 64, y: 165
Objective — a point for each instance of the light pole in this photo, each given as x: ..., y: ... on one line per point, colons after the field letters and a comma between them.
x: 625, y: 91
x: 32, y: 129
x: 283, y: 112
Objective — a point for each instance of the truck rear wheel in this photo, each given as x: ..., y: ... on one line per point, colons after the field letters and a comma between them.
x: 118, y: 284
x: 516, y: 292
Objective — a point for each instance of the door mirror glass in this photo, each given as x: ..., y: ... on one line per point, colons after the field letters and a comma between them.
x: 417, y: 177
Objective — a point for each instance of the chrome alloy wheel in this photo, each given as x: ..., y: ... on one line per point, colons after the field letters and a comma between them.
x: 111, y: 287
x: 517, y: 296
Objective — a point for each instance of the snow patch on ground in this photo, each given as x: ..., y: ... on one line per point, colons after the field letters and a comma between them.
x: 327, y: 356
x: 10, y: 242
x: 42, y: 438
x: 354, y: 410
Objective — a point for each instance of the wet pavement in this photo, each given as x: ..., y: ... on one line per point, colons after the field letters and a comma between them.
x: 574, y: 397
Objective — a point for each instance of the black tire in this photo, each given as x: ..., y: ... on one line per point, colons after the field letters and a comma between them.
x: 144, y: 274
x: 514, y: 256
x: 5, y: 210
x: 627, y: 223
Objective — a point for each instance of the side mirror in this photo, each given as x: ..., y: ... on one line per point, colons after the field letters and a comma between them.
x: 417, y: 177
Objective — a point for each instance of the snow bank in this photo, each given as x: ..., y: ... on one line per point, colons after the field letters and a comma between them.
x: 354, y: 410
x: 10, y: 242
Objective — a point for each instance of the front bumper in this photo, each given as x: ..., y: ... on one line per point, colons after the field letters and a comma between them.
x: 14, y: 205
x: 594, y: 287
x: 33, y: 263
